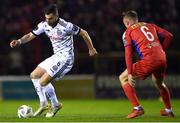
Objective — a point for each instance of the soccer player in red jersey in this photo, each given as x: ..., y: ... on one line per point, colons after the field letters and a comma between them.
x: 144, y: 38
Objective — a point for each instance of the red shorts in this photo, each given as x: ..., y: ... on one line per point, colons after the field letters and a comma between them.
x: 143, y: 68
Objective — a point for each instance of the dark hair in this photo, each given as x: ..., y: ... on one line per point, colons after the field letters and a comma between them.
x: 52, y: 8
x: 130, y: 14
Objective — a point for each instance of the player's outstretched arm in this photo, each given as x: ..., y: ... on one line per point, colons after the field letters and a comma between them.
x: 26, y: 38
x: 166, y: 35
x: 88, y: 41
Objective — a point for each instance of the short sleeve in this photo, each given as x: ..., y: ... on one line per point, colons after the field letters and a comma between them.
x: 39, y: 29
x: 123, y: 39
x: 72, y: 29
x: 126, y: 39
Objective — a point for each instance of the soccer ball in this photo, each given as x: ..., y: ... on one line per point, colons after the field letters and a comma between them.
x: 25, y: 111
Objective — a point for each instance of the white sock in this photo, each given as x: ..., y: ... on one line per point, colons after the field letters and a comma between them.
x: 138, y: 107
x: 168, y: 110
x: 40, y: 93
x: 50, y: 92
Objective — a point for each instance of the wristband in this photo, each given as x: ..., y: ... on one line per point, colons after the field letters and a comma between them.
x: 20, y: 41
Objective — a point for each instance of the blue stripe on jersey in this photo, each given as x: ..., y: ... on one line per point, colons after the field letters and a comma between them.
x: 63, y: 68
x: 137, y: 49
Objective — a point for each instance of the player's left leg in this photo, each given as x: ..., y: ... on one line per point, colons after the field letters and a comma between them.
x: 50, y: 92
x: 131, y: 95
x: 55, y: 104
x: 54, y: 109
x: 165, y: 94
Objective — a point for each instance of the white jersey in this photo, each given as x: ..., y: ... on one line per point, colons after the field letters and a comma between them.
x: 61, y: 36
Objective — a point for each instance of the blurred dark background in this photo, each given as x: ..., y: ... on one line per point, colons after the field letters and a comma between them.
x: 101, y: 18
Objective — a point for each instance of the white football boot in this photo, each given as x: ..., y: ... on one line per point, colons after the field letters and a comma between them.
x: 41, y: 109
x: 53, y: 110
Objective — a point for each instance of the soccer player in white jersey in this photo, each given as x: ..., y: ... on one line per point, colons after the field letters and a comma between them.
x: 60, y: 34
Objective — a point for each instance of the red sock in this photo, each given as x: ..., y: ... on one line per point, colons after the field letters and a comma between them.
x: 131, y: 94
x: 164, y: 92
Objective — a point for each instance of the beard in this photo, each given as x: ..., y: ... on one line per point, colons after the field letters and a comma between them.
x: 51, y: 23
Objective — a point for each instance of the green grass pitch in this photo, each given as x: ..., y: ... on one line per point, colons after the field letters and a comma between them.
x: 91, y: 111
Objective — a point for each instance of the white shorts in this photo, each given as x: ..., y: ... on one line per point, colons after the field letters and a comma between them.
x: 58, y: 64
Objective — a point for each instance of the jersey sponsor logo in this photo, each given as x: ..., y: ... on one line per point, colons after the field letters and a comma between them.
x: 155, y: 44
x: 56, y: 38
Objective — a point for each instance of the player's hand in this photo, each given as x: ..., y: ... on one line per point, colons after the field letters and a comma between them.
x: 92, y: 52
x: 131, y: 81
x: 14, y: 43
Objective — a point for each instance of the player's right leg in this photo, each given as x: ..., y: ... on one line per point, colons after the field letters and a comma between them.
x: 165, y: 94
x: 131, y: 95
x: 55, y: 66
x: 50, y: 93
x: 35, y: 77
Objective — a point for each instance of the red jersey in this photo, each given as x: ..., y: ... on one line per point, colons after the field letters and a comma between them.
x: 144, y: 37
